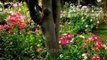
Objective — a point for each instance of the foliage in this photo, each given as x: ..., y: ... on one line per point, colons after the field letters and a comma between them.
x: 21, y: 38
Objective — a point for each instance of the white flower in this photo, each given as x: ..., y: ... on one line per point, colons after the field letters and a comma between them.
x: 86, y: 26
x: 72, y: 40
x: 15, y: 5
x: 69, y: 15
x: 82, y: 36
x: 91, y: 20
x: 105, y: 47
x: 66, y: 3
x: 98, y: 0
x: 11, y: 12
x: 84, y: 7
x: 97, y: 14
x: 60, y: 55
x: 0, y: 9
x: 98, y: 22
x: 85, y: 55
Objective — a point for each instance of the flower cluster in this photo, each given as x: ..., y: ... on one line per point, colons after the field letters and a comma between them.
x: 93, y: 42
x: 97, y: 43
x: 15, y: 20
x: 4, y: 26
x: 65, y: 39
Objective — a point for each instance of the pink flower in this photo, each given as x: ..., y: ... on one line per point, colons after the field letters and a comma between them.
x: 95, y: 38
x: 20, y: 4
x: 15, y: 5
x: 64, y: 42
x: 85, y: 45
x: 77, y: 34
x: 1, y: 26
x: 38, y: 50
x: 95, y: 57
x: 61, y: 38
x: 62, y: 14
x: 5, y: 11
x: 23, y: 17
x: 1, y: 3
x: 22, y: 30
x: 37, y: 31
x: 22, y: 25
x: 5, y: 26
x: 69, y: 36
x: 65, y: 22
x: 90, y: 40
x: 65, y: 39
x: 98, y: 45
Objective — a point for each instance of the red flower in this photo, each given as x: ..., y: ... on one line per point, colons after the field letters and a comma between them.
x: 85, y: 45
x: 38, y: 50
x: 95, y: 57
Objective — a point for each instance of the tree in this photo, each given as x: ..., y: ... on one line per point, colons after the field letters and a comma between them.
x: 48, y: 17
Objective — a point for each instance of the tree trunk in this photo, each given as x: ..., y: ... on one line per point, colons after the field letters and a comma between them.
x: 50, y: 22
x: 49, y: 28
